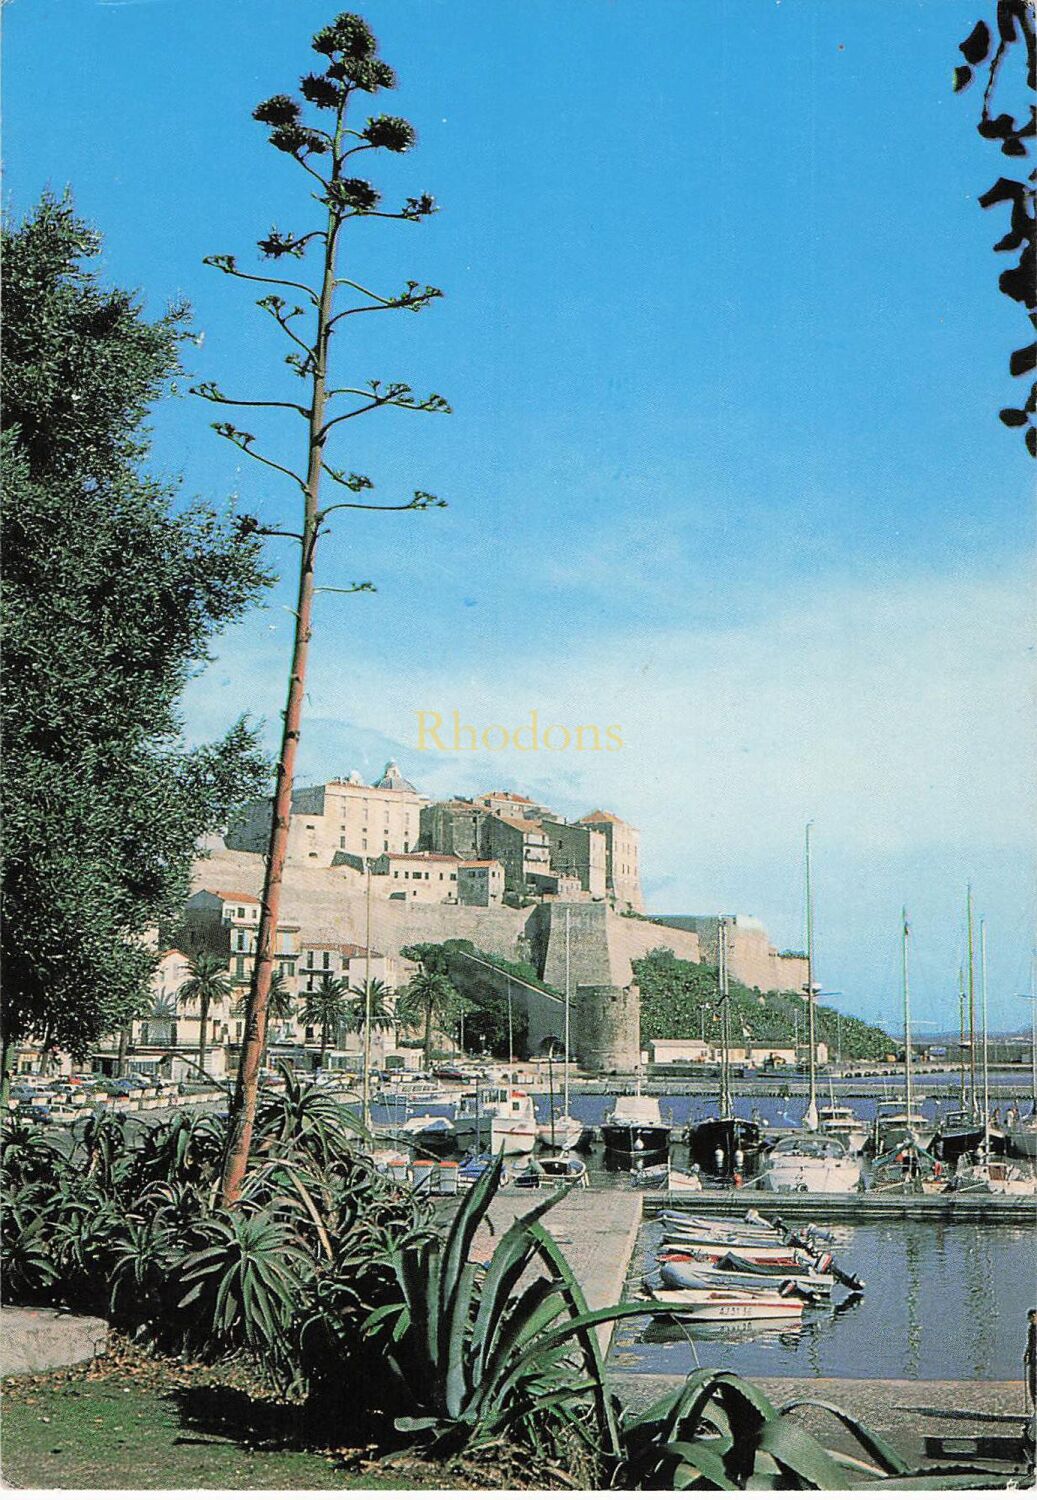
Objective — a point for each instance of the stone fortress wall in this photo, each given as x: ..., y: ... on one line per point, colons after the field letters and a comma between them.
x: 330, y: 905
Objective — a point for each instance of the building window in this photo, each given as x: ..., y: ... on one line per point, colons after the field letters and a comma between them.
x: 363, y: 843
x: 309, y: 958
x: 406, y: 846
x: 385, y: 847
x: 239, y: 968
x: 241, y: 911
x: 326, y: 959
x: 342, y: 840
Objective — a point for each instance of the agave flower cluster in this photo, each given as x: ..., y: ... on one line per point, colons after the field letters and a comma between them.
x: 352, y: 67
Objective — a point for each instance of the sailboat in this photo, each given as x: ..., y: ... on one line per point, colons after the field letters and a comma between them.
x: 562, y: 1132
x: 961, y: 1130
x: 902, y: 1124
x: 809, y: 1160
x: 726, y: 1143
x: 1022, y: 1131
x: 986, y: 1173
x: 840, y: 1122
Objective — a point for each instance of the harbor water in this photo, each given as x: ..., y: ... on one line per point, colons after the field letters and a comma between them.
x: 941, y: 1301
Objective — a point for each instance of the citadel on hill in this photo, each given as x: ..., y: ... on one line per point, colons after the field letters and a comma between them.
x: 381, y: 867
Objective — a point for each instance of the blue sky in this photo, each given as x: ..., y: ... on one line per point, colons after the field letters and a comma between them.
x: 723, y: 339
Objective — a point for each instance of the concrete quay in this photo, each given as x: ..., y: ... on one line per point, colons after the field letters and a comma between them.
x: 595, y: 1228
x: 855, y: 1208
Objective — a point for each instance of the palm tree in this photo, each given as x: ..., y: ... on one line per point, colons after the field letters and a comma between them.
x: 164, y: 1010
x: 208, y: 982
x: 435, y: 997
x: 327, y: 1008
x: 381, y: 1007
x: 280, y: 1004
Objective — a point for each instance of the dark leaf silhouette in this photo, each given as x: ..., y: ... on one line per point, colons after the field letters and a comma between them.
x: 962, y: 79
x: 1023, y: 359
x: 1012, y: 417
x: 977, y: 44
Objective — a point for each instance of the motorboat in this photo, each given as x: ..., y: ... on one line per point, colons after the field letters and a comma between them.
x: 634, y: 1131
x: 704, y: 1306
x: 790, y: 1256
x: 1022, y: 1133
x: 840, y: 1122
x: 663, y: 1177
x: 473, y: 1166
x: 726, y: 1144
x: 429, y: 1131
x: 810, y: 1162
x: 680, y: 1277
x: 895, y: 1125
x: 497, y: 1119
x: 959, y: 1131
x: 991, y: 1174
x: 553, y: 1171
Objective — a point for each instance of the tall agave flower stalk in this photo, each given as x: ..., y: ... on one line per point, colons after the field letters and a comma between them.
x: 309, y: 315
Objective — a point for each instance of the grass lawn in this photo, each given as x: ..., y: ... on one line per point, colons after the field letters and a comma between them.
x: 130, y: 1422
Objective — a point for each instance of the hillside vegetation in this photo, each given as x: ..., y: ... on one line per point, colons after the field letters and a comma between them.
x: 677, y: 996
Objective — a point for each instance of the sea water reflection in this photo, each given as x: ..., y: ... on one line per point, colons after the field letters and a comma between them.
x: 942, y: 1302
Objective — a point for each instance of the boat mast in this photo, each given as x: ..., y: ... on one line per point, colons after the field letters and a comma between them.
x: 1033, y: 1031
x: 961, y: 1037
x: 986, y: 1057
x: 810, y: 1116
x: 565, y: 1072
x: 908, y: 1093
x: 726, y: 1110
x: 973, y: 1099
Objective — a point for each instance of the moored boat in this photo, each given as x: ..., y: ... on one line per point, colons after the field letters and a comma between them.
x: 497, y: 1119
x: 725, y: 1307
x: 808, y: 1161
x: 634, y: 1131
x: 840, y: 1122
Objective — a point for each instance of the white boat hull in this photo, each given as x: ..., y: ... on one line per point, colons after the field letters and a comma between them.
x: 514, y: 1138
x: 566, y: 1133
x: 721, y: 1307
x: 805, y: 1176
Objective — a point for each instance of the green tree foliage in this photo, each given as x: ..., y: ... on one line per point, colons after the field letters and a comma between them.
x: 677, y: 997
x: 329, y: 1007
x: 429, y: 996
x: 110, y: 597
x: 1010, y: 46
x: 207, y: 983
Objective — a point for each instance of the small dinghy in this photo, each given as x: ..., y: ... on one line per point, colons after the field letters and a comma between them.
x: 693, y: 1306
x: 676, y: 1275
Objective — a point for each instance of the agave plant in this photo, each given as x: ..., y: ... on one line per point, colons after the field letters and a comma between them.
x: 187, y: 1148
x: 142, y: 1255
x: 243, y: 1280
x: 104, y: 1141
x: 31, y: 1156
x: 720, y: 1432
x: 472, y: 1357
x: 308, y: 1118
x: 27, y: 1262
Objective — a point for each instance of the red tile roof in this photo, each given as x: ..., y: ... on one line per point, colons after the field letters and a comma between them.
x: 237, y: 896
